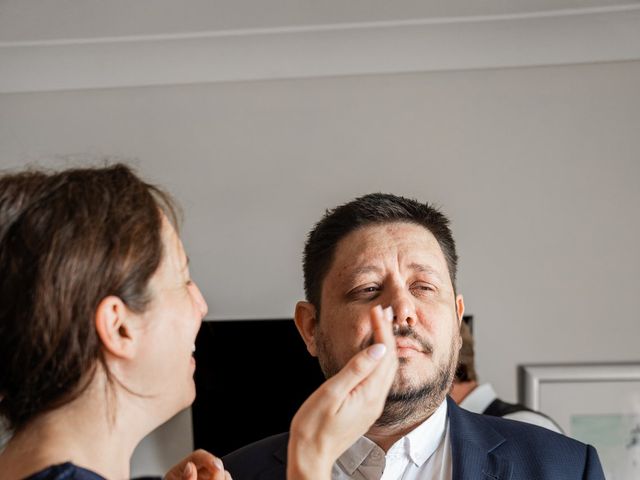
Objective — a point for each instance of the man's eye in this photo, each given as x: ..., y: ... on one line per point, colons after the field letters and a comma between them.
x: 422, y: 287
x: 365, y: 292
x: 189, y: 282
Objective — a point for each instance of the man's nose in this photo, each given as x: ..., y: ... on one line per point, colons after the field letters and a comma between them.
x: 404, y: 310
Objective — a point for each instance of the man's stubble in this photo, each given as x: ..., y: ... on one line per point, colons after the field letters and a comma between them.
x: 406, y: 403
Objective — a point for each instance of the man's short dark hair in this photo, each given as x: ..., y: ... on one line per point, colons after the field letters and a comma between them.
x: 371, y: 209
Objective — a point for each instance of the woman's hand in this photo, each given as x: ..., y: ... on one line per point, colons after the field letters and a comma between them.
x: 199, y: 465
x: 345, y: 406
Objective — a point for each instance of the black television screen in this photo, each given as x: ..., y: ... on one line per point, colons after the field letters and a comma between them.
x: 251, y: 377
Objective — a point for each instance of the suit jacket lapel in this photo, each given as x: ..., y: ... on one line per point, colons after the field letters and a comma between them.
x: 472, y: 447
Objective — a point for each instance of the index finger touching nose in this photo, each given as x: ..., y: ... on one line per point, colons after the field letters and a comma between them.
x: 382, y: 326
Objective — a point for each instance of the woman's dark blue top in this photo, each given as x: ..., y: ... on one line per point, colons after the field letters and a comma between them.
x: 65, y: 471
x: 69, y: 471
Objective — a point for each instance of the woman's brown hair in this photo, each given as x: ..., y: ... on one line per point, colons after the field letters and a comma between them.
x: 67, y: 241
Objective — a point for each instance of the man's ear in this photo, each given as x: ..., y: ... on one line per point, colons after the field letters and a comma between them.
x: 459, y: 308
x: 460, y: 313
x: 113, y: 324
x: 305, y: 320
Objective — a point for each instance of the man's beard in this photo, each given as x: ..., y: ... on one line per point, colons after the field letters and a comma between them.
x: 405, y: 403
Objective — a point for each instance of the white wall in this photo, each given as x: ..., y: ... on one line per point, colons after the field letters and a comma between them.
x: 537, y: 167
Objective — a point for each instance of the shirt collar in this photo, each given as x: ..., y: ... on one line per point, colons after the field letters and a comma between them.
x: 419, y: 444
x: 356, y: 454
x: 479, y: 398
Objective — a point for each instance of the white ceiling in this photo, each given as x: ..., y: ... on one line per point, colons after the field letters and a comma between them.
x: 37, y: 20
x: 48, y: 45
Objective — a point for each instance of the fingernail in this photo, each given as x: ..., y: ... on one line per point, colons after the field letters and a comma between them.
x: 187, y: 470
x: 388, y: 313
x: 379, y: 310
x: 377, y: 351
x: 218, y: 463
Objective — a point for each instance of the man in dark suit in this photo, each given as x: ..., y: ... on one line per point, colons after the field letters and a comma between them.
x: 389, y: 250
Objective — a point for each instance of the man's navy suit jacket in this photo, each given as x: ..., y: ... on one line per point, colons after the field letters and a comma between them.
x: 482, y: 448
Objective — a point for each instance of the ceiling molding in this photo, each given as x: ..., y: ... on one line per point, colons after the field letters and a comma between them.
x: 439, y: 44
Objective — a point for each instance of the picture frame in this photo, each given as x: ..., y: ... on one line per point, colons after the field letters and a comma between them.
x: 596, y: 403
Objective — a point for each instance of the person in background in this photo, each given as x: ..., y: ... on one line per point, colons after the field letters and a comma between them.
x: 98, y: 318
x: 482, y: 398
x: 393, y: 251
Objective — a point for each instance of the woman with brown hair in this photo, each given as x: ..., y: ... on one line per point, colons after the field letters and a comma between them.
x: 98, y: 318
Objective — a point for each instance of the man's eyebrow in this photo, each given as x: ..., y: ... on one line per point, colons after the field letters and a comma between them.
x: 365, y: 269
x: 419, y: 267
x: 187, y: 262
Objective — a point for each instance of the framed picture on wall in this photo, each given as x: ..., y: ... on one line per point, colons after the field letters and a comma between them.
x: 598, y: 404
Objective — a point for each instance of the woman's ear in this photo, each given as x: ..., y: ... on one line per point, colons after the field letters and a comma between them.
x: 113, y: 324
x: 305, y: 320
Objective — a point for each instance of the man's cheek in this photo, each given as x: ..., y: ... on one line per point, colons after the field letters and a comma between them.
x: 362, y: 329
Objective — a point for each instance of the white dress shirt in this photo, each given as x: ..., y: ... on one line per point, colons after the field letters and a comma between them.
x: 424, y: 453
x: 483, y: 395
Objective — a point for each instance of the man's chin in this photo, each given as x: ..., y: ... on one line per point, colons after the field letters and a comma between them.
x: 410, y: 393
x: 408, y: 382
x: 412, y: 399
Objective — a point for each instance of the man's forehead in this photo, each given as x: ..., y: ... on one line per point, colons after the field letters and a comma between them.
x: 388, y: 235
x: 365, y: 249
